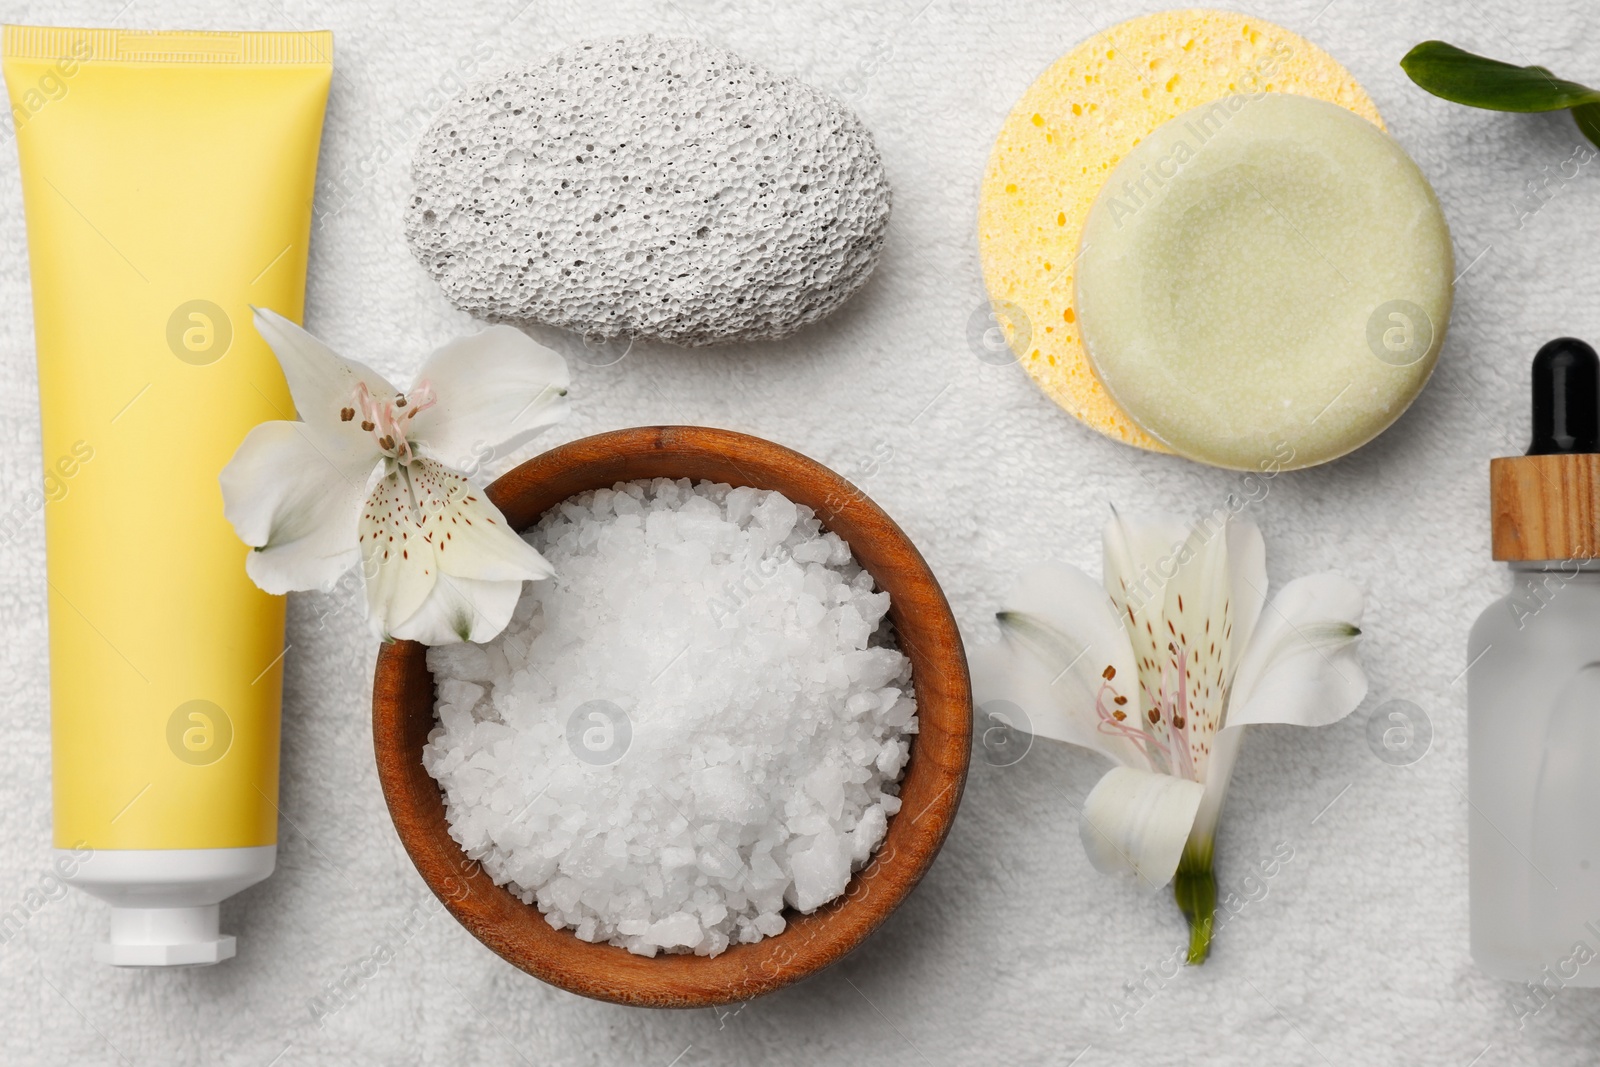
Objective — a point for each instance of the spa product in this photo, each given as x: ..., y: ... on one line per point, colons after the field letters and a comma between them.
x: 1066, y: 133
x: 1533, y: 693
x: 1265, y: 279
x: 167, y: 179
x: 649, y: 187
x: 700, y: 722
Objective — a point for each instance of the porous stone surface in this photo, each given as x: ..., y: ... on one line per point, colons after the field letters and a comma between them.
x: 651, y: 187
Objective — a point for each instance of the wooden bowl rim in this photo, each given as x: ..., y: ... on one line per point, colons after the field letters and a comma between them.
x: 940, y: 751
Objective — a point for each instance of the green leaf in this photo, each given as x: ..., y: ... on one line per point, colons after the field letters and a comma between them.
x: 1588, y: 119
x: 1477, y: 81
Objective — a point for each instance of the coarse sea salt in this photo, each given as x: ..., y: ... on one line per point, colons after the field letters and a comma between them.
x: 699, y: 722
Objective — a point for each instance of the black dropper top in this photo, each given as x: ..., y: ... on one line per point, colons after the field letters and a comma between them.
x: 1566, y: 398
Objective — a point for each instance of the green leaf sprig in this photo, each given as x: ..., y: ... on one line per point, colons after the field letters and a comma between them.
x: 1459, y: 76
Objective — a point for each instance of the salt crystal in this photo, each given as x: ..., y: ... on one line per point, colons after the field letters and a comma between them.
x: 776, y: 516
x: 463, y: 661
x: 461, y: 694
x: 868, y: 834
x: 892, y: 758
x: 810, y: 552
x: 678, y: 930
x: 820, y: 871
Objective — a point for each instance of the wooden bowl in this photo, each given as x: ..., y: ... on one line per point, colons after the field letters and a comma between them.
x: 403, y: 714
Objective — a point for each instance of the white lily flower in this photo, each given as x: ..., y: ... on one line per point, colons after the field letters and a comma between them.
x: 371, y: 474
x: 1161, y: 670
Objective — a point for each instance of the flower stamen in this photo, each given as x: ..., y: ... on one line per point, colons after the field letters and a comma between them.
x: 386, y: 419
x: 1113, y: 721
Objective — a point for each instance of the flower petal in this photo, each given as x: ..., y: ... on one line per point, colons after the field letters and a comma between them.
x: 1247, y: 579
x: 398, y: 567
x: 492, y: 393
x: 1301, y: 666
x: 425, y: 524
x: 1137, y: 822
x: 1141, y: 558
x: 470, y: 535
x: 321, y: 381
x: 294, y: 496
x: 1196, y: 629
x: 1059, y: 639
x: 1141, y: 553
x: 1219, y: 772
x: 461, y: 609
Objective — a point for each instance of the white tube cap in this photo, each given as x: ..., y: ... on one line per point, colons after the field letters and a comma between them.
x: 165, y: 937
x: 164, y: 901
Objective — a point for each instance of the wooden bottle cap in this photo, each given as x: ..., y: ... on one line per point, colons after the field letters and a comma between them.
x: 1546, y: 507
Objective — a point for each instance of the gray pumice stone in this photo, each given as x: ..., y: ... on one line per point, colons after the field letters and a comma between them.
x: 648, y: 187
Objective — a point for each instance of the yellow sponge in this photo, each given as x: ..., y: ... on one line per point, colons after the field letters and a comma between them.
x: 1070, y: 129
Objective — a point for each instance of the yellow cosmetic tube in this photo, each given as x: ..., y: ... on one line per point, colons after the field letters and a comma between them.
x: 167, y: 180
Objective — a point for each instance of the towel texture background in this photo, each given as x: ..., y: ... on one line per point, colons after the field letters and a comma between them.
x: 1013, y: 950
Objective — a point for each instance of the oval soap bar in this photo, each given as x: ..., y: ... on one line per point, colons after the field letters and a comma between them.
x: 1264, y: 281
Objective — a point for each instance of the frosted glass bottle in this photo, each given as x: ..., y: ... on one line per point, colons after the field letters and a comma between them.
x: 1533, y: 694
x: 1533, y: 777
